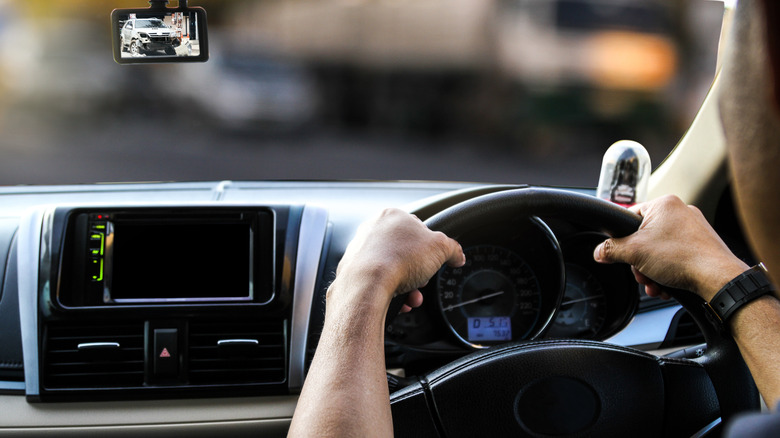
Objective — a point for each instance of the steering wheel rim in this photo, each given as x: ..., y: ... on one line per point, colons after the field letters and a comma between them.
x: 719, y: 374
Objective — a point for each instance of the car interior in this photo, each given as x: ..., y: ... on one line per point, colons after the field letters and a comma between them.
x: 193, y: 307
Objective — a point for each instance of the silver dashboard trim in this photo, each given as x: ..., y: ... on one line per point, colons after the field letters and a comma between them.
x: 28, y: 257
x: 647, y: 330
x: 311, y: 239
x: 11, y: 385
x: 219, y: 190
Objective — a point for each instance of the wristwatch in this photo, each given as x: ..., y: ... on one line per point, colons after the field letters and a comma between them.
x: 745, y: 288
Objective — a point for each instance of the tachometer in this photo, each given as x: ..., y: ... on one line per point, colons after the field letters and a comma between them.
x: 584, y: 306
x: 496, y: 297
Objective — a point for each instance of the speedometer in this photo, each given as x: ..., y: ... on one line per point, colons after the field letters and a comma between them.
x: 495, y: 297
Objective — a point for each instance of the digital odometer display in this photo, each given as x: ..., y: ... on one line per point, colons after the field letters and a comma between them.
x: 496, y: 328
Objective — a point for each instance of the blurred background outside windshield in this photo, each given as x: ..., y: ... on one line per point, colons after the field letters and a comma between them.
x: 511, y: 91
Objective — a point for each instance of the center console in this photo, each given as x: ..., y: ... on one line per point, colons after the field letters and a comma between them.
x: 167, y: 301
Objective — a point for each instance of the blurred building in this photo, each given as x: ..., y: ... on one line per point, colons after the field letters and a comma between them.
x: 492, y: 66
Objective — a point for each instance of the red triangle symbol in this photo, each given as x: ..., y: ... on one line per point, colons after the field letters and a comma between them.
x: 165, y: 353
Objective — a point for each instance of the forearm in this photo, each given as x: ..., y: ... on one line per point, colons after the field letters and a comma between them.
x: 756, y: 329
x: 345, y: 393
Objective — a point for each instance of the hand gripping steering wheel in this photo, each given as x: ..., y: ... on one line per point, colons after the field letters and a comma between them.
x: 572, y: 387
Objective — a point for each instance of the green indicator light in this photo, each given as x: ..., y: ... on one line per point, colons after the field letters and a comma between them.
x: 95, y: 236
x: 100, y: 227
x: 101, y: 271
x: 96, y: 251
x: 102, y: 245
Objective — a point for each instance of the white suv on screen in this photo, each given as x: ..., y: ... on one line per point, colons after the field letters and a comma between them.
x: 142, y: 36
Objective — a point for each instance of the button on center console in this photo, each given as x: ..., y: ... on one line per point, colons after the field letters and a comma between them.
x: 166, y: 352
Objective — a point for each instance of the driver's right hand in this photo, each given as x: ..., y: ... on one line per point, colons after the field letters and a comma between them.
x: 674, y: 247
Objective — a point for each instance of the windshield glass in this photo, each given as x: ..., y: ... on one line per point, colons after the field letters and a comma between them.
x: 508, y: 91
x: 149, y: 23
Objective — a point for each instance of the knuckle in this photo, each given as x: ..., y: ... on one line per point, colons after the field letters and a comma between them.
x: 608, y: 249
x: 612, y: 252
x: 440, y: 238
x: 442, y: 242
x: 670, y: 200
x: 695, y: 210
x: 387, y: 212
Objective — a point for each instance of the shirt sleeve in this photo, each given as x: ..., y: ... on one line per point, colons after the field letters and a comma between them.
x: 756, y: 425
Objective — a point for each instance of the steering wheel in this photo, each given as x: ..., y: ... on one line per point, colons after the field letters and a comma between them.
x: 572, y: 387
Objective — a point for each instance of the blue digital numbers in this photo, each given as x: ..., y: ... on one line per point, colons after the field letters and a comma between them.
x: 493, y: 328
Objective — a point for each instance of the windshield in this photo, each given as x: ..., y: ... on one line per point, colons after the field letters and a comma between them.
x: 507, y: 91
x: 145, y: 24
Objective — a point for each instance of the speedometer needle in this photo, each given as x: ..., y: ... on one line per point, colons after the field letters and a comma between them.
x: 475, y: 300
x: 581, y: 300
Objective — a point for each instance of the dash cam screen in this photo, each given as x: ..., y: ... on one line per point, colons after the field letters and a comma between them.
x: 149, y: 35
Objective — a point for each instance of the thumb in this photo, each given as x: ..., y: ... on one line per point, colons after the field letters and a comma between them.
x: 610, y: 251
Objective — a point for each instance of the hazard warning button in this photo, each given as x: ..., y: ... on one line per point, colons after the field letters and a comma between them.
x: 166, y: 352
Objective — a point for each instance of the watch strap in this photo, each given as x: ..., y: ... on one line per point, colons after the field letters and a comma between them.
x: 743, y: 289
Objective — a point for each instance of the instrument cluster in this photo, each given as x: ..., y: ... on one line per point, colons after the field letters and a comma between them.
x: 523, y: 280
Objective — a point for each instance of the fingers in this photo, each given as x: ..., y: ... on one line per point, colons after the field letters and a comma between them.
x: 457, y: 257
x: 610, y: 251
x: 616, y: 250
x: 652, y: 288
x: 640, y: 277
x: 399, y: 253
x: 413, y: 300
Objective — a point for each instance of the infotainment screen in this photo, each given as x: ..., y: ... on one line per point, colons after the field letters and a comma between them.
x: 150, y: 256
x: 176, y: 261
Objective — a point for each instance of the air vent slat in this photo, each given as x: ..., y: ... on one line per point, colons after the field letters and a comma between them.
x: 223, y: 363
x: 264, y: 362
x: 237, y: 368
x: 261, y: 349
x: 65, y: 338
x: 93, y: 368
x: 65, y: 366
x: 93, y: 375
x: 233, y: 376
x: 74, y: 351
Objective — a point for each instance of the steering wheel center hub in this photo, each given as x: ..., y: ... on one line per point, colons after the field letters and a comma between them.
x: 557, y: 405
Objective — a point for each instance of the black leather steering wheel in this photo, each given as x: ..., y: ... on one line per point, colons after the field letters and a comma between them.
x: 572, y: 387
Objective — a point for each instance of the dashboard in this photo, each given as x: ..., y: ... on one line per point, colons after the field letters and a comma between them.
x: 183, y: 303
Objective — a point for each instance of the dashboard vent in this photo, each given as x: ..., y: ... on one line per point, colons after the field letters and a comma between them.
x: 94, y: 356
x: 683, y: 331
x: 226, y: 352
